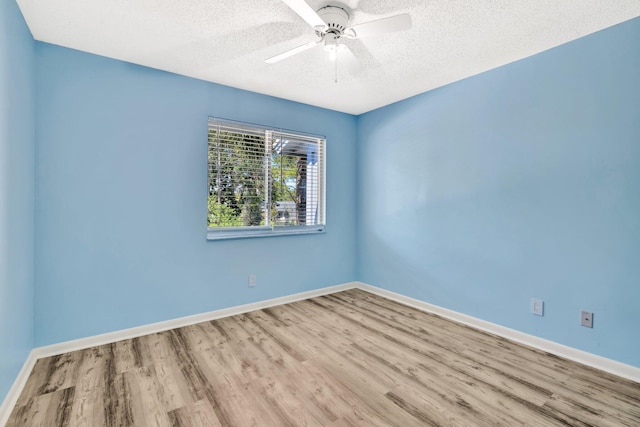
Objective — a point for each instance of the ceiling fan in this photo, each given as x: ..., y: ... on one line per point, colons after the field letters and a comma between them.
x: 330, y: 24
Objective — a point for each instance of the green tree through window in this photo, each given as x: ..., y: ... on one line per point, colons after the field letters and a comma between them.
x: 260, y: 177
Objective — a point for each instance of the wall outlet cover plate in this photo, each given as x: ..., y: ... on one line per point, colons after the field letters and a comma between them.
x: 537, y: 307
x: 586, y: 318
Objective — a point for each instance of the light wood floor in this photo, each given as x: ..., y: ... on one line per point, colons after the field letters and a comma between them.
x: 350, y: 358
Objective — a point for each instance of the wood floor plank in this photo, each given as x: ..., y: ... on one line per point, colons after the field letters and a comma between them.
x: 131, y: 354
x: 346, y: 359
x: 170, y: 377
x: 344, y: 403
x: 287, y: 337
x: 199, y: 414
x: 593, y: 398
x: 51, y: 374
x: 235, y: 401
x: 87, y: 409
x: 148, y: 395
x: 46, y: 410
x: 372, y: 398
x: 299, y: 408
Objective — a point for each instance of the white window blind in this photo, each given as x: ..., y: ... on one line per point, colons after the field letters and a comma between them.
x: 264, y: 181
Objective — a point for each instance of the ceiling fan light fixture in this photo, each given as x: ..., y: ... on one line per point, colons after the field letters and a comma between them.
x: 331, y: 45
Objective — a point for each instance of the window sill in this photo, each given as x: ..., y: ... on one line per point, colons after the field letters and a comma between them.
x: 245, y: 233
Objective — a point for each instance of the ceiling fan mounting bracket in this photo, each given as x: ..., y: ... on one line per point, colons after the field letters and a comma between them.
x: 336, y: 18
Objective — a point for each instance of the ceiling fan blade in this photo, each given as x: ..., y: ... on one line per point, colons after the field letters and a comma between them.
x: 349, y: 60
x: 380, y: 26
x: 291, y: 52
x: 302, y: 8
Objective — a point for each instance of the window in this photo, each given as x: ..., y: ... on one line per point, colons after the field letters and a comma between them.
x: 264, y: 181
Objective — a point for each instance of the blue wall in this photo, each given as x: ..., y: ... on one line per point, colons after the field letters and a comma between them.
x: 121, y: 199
x: 16, y: 193
x: 521, y: 182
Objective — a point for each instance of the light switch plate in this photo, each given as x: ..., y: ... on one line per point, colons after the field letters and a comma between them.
x: 537, y: 307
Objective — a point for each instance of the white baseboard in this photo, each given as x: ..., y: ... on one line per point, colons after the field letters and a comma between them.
x: 82, y: 343
x: 589, y: 359
x: 604, y: 364
x: 15, y: 390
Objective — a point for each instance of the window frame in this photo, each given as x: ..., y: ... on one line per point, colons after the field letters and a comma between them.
x: 240, y: 232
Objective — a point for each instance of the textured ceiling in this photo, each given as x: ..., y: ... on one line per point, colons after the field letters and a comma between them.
x: 227, y: 41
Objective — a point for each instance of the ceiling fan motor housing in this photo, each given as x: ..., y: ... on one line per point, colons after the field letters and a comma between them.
x: 336, y: 18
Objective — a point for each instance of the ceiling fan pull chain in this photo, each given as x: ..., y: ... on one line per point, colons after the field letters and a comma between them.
x: 336, y: 68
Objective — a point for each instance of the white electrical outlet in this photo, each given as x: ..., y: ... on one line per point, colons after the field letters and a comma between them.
x: 586, y: 318
x: 252, y: 280
x: 537, y: 307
